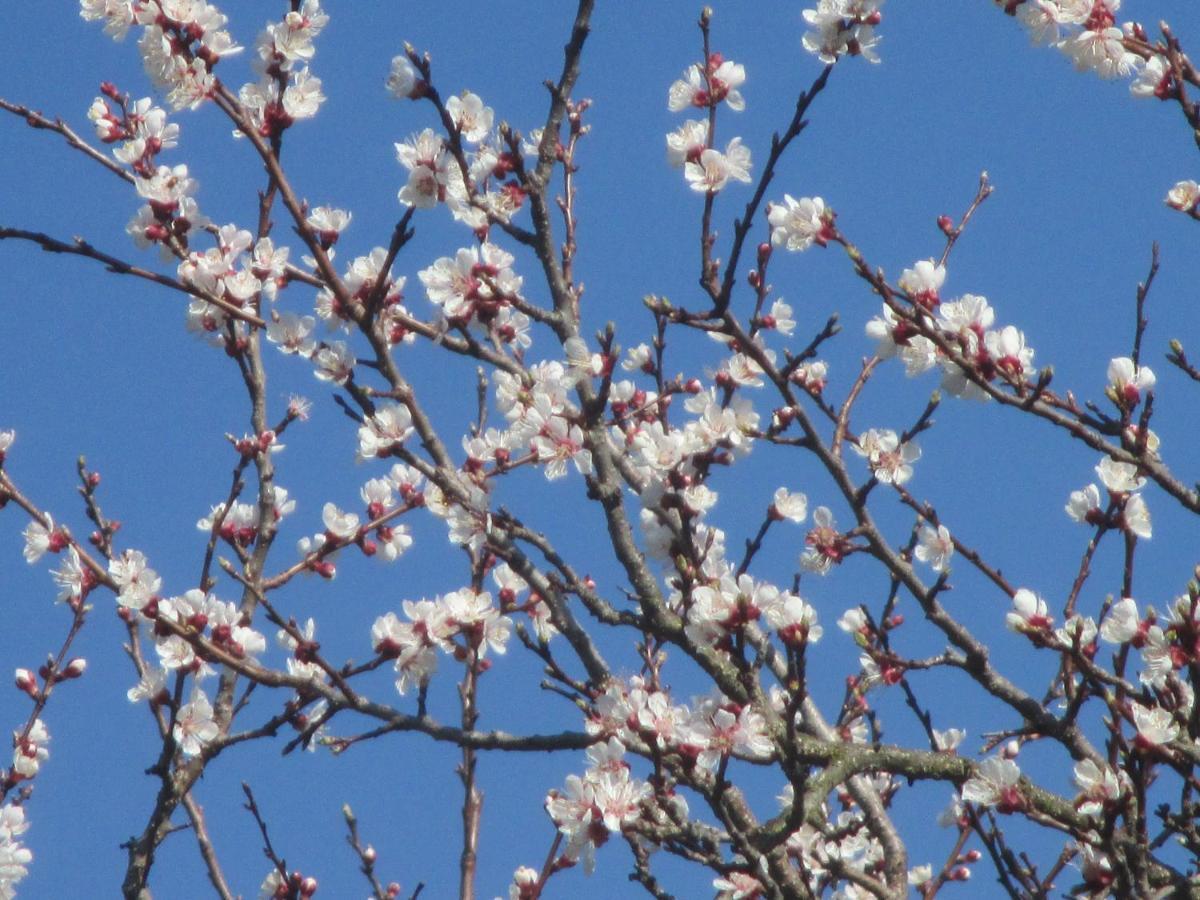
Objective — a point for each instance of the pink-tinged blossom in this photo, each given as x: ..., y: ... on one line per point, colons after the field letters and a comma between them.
x: 1043, y: 18
x: 1101, y: 51
x: 194, y: 725
x: 1119, y: 477
x: 335, y: 362
x: 42, y: 539
x: 897, y: 336
x: 1155, y: 726
x: 229, y: 631
x: 714, y: 169
x: 995, y: 783
x: 826, y: 545
x: 303, y: 97
x: 473, y: 615
x: 1100, y: 786
x: 525, y: 884
x: 475, y: 283
x: 301, y: 663
x: 409, y: 643
x: 618, y: 798
x: 948, y: 741
x: 1077, y: 633
x: 935, y: 547
x: 726, y: 606
x: 283, y: 44
x: 798, y: 224
x: 136, y: 581
x: 292, y: 333
x: 175, y: 653
x: 403, y: 82
x: 687, y: 142
x: 724, y: 79
x: 1029, y: 613
x: 1185, y: 196
x: 574, y: 811
x: 786, y: 505
x: 72, y: 577
x: 117, y: 15
x: 385, y: 430
x: 557, y: 442
x: 152, y: 687
x: 714, y: 734
x: 424, y: 156
x: 328, y: 223
x: 779, y: 318
x: 1122, y: 623
x: 1083, y: 506
x: 1008, y: 353
x: 340, y: 525
x: 1154, y: 78
x: 1128, y: 381
x: 794, y: 620
x: 890, y: 460
x: 1136, y: 517
x: 854, y: 622
x: 14, y: 856
x: 922, y: 282
x: 1158, y: 656
x: 842, y: 27
x: 29, y: 749
x: 470, y: 116
x: 738, y: 886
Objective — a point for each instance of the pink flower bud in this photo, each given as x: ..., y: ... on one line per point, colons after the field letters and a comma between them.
x: 961, y: 873
x: 75, y: 668
x: 26, y: 682
x: 369, y: 854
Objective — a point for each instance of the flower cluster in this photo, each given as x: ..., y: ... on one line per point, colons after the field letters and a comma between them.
x: 286, y: 90
x: 604, y: 801
x: 141, y: 126
x: 705, y: 86
x: 1086, y: 31
x: 969, y: 351
x: 14, y: 856
x: 476, y: 175
x: 843, y: 28
x: 459, y: 623
x: 181, y: 42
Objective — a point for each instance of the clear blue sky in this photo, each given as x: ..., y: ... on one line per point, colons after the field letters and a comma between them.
x: 102, y: 366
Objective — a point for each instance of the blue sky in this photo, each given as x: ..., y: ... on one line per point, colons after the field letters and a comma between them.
x: 102, y: 366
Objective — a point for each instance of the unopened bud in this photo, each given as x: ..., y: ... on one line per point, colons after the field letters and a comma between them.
x: 75, y: 668
x: 972, y: 856
x: 960, y: 873
x: 93, y: 479
x: 26, y: 682
x: 946, y: 224
x: 369, y: 854
x: 393, y: 891
x: 308, y: 887
x: 1010, y: 750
